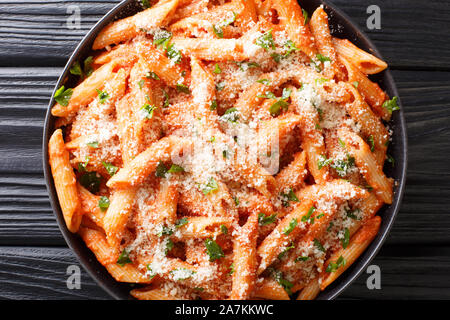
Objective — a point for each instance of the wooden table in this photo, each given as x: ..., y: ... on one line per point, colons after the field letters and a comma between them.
x: 34, y: 46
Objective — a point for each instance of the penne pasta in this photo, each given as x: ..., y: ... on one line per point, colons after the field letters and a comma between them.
x: 226, y: 150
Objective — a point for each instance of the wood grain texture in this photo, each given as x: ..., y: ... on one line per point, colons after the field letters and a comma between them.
x: 35, y: 32
x: 41, y: 273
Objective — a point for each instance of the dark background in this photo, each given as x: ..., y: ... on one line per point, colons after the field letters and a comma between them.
x: 34, y: 47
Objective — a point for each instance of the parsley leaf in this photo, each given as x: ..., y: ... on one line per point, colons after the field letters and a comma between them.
x: 102, y: 96
x: 285, y: 250
x: 323, y: 162
x: 62, y: 96
x: 322, y: 58
x: 147, y: 110
x: 183, y: 88
x: 124, y: 258
x: 162, y: 38
x: 110, y: 168
x: 224, y: 229
x: 152, y: 75
x: 161, y: 170
x: 264, y: 81
x: 345, y: 241
x: 305, y: 16
x: 289, y: 196
x: 173, y: 54
x: 217, y: 69
x: 181, y: 222
x: 174, y: 168
x: 103, y: 203
x: 264, y: 220
x: 146, y: 4
x: 391, y: 105
x: 371, y: 143
x: 265, y: 41
x: 278, y: 276
x: 307, y: 216
x: 290, y: 227
x: 333, y: 266
x: 213, y: 249
x: 211, y: 186
x: 319, y: 245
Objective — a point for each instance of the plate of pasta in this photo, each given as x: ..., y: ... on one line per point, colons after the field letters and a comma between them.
x: 214, y: 149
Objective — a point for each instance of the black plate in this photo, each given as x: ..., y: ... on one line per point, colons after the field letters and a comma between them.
x: 343, y: 28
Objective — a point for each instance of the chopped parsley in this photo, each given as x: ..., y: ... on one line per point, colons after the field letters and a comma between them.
x: 181, y: 222
x: 110, y: 168
x: 102, y: 96
x: 211, y: 186
x: 161, y: 170
x: 62, y: 96
x: 231, y: 115
x: 231, y: 269
x: 82, y: 165
x: 165, y: 231
x: 333, y: 266
x: 308, y: 216
x: 319, y: 245
x: 217, y: 69
x: 391, y: 105
x: 342, y: 166
x: 174, y: 168
x: 355, y: 84
x: 217, y: 28
x: 323, y: 162
x: 371, y: 143
x: 213, y: 249
x: 290, y: 47
x: 162, y: 38
x: 169, y: 246
x: 84, y: 72
x: 285, y: 250
x: 166, y: 99
x: 213, y: 105
x: 264, y: 220
x: 265, y: 41
x: 151, y: 75
x: 351, y: 214
x: 183, y: 88
x: 390, y: 159
x: 345, y: 241
x: 278, y: 276
x: 146, y: 4
x: 173, y: 54
x: 103, y: 203
x: 182, y: 274
x: 289, y: 196
x: 305, y: 16
x: 290, y: 227
x: 124, y: 258
x: 220, y: 86
x: 322, y: 58
x: 301, y: 258
x: 224, y: 229
x: 264, y: 81
x: 148, y: 110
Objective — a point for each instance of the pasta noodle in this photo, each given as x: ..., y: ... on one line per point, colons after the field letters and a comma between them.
x: 223, y: 150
